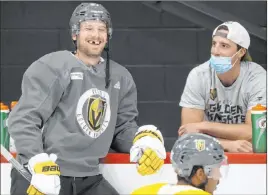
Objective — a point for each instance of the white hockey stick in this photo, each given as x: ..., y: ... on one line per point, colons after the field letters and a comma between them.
x: 15, y: 163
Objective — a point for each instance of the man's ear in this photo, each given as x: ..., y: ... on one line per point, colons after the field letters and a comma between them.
x: 242, y: 52
x: 200, y: 175
x: 74, y: 37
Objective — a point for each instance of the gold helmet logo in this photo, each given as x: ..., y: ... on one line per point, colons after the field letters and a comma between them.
x: 200, y: 144
x: 96, y: 112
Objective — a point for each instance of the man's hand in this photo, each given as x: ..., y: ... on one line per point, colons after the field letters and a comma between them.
x: 239, y: 146
x: 45, y: 175
x: 191, y: 128
x: 148, y: 150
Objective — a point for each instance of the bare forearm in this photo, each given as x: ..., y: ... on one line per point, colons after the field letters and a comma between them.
x: 224, y: 143
x: 228, y: 131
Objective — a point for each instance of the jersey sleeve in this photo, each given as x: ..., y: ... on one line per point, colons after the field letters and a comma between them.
x: 126, y: 125
x: 40, y: 93
x: 193, y: 192
x: 149, y: 189
x: 192, y: 96
x: 257, y: 89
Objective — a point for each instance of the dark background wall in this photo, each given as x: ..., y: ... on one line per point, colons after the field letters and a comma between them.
x: 159, y: 49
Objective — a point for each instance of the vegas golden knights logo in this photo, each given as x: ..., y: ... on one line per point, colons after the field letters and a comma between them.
x: 96, y: 112
x: 213, y: 93
x: 200, y: 144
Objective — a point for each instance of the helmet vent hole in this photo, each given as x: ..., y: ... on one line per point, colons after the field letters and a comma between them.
x: 82, y: 13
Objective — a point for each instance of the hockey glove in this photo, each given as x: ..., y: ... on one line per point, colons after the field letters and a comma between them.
x: 45, y: 175
x: 148, y: 150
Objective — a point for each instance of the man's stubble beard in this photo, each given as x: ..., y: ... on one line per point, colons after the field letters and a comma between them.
x: 87, y: 51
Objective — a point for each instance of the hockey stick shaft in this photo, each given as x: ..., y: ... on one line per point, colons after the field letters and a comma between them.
x: 15, y: 163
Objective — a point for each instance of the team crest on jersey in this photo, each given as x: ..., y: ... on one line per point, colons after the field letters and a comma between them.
x: 93, y: 112
x: 200, y: 144
x: 96, y: 112
x: 213, y: 94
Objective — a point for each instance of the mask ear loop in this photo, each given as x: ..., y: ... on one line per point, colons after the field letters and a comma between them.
x: 236, y: 59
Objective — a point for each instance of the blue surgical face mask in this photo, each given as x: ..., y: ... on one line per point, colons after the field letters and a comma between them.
x: 221, y: 64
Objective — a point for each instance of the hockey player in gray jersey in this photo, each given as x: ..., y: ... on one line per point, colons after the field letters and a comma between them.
x: 223, y: 90
x: 74, y: 107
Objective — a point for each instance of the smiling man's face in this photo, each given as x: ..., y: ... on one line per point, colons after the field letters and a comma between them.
x: 92, y: 37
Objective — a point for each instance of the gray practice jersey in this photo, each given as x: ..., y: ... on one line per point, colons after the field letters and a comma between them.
x: 65, y: 109
x: 204, y: 90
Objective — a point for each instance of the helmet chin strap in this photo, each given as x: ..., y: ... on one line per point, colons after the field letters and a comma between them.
x: 107, y: 68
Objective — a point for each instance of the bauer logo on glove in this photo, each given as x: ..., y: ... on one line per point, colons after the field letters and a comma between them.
x: 148, y: 150
x: 45, y: 175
